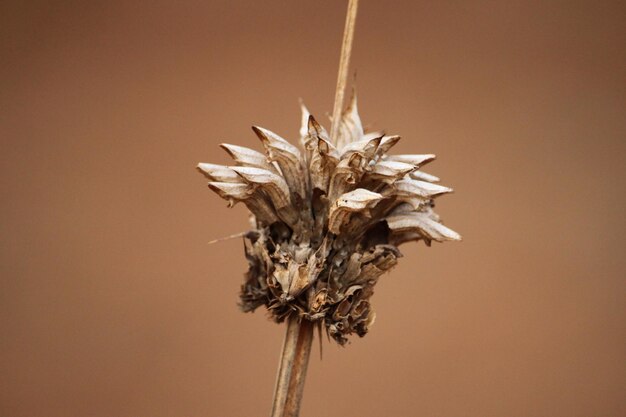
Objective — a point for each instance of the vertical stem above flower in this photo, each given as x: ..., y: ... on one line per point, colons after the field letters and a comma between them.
x: 344, y: 66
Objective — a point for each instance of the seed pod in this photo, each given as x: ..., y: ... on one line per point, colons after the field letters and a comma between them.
x: 328, y: 219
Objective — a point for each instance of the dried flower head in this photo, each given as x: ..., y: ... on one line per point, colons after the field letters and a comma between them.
x: 327, y: 219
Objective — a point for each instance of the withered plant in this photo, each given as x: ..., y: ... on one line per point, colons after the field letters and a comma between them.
x: 327, y: 220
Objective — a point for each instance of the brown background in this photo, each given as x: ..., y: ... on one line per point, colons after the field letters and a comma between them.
x: 112, y: 304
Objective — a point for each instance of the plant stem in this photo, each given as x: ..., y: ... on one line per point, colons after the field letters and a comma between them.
x: 292, y: 368
x: 344, y: 65
x: 294, y: 357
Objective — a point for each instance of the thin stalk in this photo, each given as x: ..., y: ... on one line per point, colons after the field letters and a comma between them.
x: 294, y: 357
x: 294, y: 360
x: 344, y: 65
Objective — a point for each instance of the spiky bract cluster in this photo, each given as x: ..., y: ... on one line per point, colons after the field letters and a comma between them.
x: 328, y: 219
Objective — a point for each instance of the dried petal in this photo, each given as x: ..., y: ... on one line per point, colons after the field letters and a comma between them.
x: 350, y: 127
x: 317, y: 131
x: 323, y: 163
x: 422, y: 176
x: 354, y: 201
x: 248, y: 157
x: 416, y: 188
x: 273, y: 184
x: 390, y: 171
x: 255, y: 201
x: 304, y: 125
x: 387, y: 143
x: 423, y: 224
x: 272, y: 141
x: 236, y: 191
x: 219, y: 173
x: 348, y: 173
x: 287, y: 157
x: 415, y: 160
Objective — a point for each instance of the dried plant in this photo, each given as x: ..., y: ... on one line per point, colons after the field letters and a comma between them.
x: 327, y: 219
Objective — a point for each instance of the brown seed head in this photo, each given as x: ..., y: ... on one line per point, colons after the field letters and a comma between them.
x: 329, y: 219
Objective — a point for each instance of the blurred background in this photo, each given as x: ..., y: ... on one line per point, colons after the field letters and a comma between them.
x: 113, y: 304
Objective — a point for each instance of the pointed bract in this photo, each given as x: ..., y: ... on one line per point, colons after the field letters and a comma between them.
x: 350, y: 126
x: 248, y: 157
x: 218, y: 173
